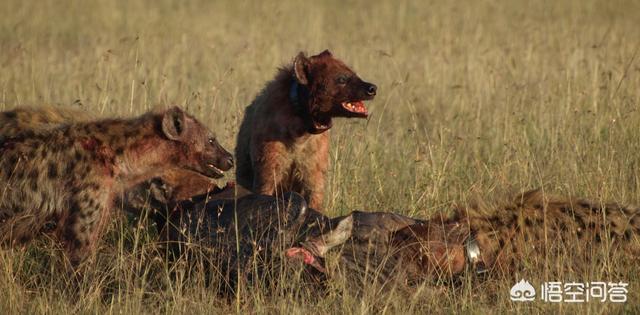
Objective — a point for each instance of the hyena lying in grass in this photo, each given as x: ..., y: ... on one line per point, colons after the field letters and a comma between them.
x: 62, y: 181
x: 520, y: 235
x: 283, y: 142
x: 532, y: 232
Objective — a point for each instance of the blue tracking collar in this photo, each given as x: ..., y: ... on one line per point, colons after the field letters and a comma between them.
x: 293, y: 94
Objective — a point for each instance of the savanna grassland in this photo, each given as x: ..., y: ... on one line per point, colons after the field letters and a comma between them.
x: 477, y: 100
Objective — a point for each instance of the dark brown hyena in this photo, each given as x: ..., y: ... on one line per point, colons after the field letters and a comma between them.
x: 63, y: 181
x: 283, y: 142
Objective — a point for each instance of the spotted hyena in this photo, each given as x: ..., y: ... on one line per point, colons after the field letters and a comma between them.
x: 283, y: 142
x: 63, y: 181
x: 171, y: 184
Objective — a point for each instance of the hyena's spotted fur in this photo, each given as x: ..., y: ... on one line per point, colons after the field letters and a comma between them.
x: 532, y: 232
x: 31, y: 120
x: 62, y: 181
x: 537, y: 226
x: 170, y: 185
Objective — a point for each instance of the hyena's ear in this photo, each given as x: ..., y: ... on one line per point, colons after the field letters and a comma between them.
x: 326, y: 53
x: 338, y: 235
x: 300, y: 67
x: 173, y: 123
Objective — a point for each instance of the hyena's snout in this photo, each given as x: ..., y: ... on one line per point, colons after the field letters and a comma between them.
x: 224, y: 159
x: 221, y: 161
x: 370, y: 89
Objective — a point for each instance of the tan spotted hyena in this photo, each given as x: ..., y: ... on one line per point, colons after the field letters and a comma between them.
x: 170, y: 185
x: 62, y: 181
x: 532, y: 233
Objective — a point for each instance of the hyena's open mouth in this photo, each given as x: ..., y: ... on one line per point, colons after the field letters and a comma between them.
x: 348, y: 109
x: 356, y: 109
x: 214, y: 171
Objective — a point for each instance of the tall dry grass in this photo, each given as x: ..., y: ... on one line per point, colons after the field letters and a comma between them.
x: 477, y: 99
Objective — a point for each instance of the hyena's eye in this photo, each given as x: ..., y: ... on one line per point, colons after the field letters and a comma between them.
x: 212, y: 141
x: 342, y: 79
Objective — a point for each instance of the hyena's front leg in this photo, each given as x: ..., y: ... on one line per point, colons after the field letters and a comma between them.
x: 85, y: 223
x: 269, y: 166
x: 315, y: 188
x: 316, y: 197
x: 314, y: 176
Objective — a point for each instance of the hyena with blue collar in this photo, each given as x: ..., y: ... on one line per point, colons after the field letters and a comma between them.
x: 283, y: 142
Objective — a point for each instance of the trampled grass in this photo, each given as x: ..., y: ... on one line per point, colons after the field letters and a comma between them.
x: 477, y: 99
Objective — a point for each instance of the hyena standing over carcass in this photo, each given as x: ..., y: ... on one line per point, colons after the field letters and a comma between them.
x: 63, y: 181
x: 283, y: 142
x: 170, y: 185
